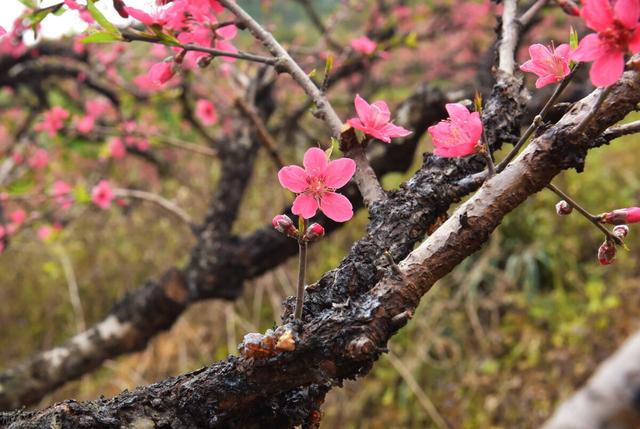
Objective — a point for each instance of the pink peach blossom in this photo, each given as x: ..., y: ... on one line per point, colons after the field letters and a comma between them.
x: 117, y: 149
x: 102, y: 195
x: 549, y: 64
x: 85, y: 124
x: 62, y: 194
x: 2, y: 31
x: 18, y: 217
x: 374, y: 120
x: 39, y: 159
x: 618, y: 31
x: 161, y: 73
x: 45, y: 232
x: 53, y: 121
x: 206, y: 112
x: 364, y: 45
x: 17, y: 157
x: 316, y: 183
x: 97, y: 108
x: 459, y: 134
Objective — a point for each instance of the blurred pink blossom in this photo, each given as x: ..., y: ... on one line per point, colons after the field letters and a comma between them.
x: 102, y: 195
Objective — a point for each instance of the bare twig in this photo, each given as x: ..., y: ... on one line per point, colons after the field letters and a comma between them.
x: 423, y: 399
x: 528, y: 16
x: 131, y: 36
x: 590, y: 217
x: 74, y: 294
x: 265, y: 137
x: 621, y: 130
x: 316, y: 20
x: 365, y: 177
x: 168, y: 140
x: 537, y: 121
x: 156, y: 199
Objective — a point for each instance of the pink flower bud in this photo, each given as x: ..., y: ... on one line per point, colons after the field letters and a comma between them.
x: 161, y: 73
x: 121, y: 8
x: 314, y: 232
x: 621, y: 231
x: 283, y: 224
x: 621, y: 216
x: 563, y: 208
x: 607, y: 253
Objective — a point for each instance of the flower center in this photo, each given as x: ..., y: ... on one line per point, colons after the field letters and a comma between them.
x: 616, y: 36
x: 316, y: 186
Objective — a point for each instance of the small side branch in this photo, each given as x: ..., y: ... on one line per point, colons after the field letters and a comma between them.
x: 365, y: 178
x: 590, y: 217
x: 263, y: 133
x: 156, y: 199
x: 621, y: 130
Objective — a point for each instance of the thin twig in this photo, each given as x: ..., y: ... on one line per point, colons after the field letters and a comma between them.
x: 156, y: 199
x: 528, y: 16
x: 590, y: 217
x: 316, y: 20
x: 537, y: 121
x: 264, y: 135
x: 621, y: 130
x: 168, y: 140
x: 130, y: 36
x: 366, y: 179
x: 74, y: 294
x: 486, y: 153
x: 423, y: 399
x: 592, y: 113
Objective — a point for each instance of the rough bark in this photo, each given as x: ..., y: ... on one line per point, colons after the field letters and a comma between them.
x: 267, y: 387
x: 225, y: 266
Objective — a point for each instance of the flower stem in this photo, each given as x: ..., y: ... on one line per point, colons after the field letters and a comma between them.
x: 487, y: 155
x: 537, y: 121
x: 590, y: 217
x: 302, y: 268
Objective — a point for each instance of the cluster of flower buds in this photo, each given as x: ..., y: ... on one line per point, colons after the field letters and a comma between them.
x: 563, y: 208
x: 621, y: 216
x: 284, y: 224
x: 607, y: 253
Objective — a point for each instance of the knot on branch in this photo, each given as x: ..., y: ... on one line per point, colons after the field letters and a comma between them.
x: 361, y: 348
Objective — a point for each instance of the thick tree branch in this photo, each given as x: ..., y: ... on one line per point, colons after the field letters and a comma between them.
x: 150, y: 310
x: 334, y: 343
